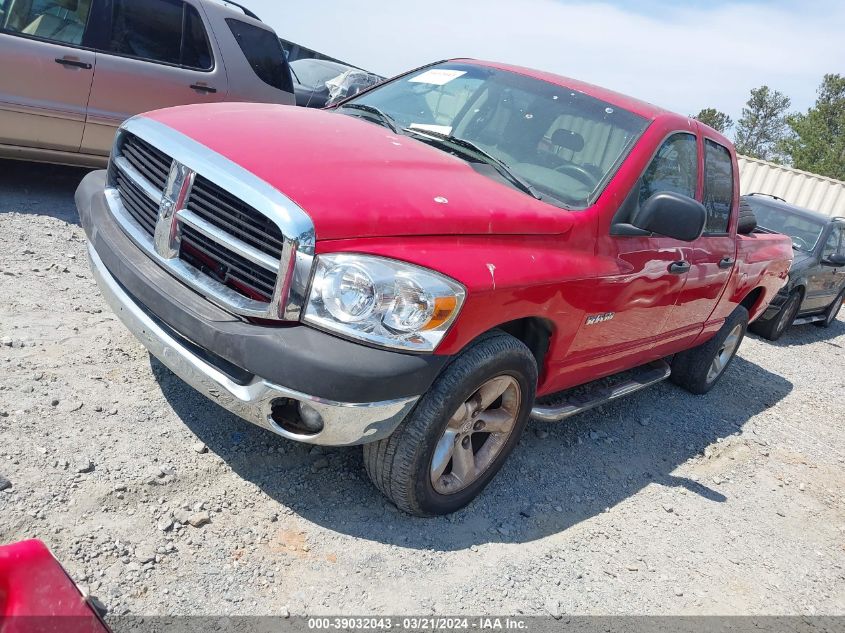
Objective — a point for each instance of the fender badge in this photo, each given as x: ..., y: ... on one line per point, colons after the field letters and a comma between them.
x: 600, y: 318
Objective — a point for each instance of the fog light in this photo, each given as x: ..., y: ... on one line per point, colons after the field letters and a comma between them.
x: 310, y: 417
x: 298, y: 418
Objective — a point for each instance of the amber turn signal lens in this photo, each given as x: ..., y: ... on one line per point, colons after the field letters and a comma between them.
x: 443, y: 309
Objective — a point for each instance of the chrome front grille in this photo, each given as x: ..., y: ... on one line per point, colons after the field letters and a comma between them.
x: 223, y: 231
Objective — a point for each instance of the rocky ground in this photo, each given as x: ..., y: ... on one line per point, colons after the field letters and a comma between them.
x: 158, y: 502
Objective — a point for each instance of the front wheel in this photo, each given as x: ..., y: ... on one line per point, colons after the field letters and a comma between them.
x: 775, y: 327
x: 699, y: 369
x: 461, y: 431
x: 832, y: 312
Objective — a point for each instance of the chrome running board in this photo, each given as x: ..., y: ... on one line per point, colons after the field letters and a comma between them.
x: 809, y: 319
x: 643, y: 377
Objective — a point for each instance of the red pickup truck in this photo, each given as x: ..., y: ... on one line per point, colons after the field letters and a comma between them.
x: 431, y: 263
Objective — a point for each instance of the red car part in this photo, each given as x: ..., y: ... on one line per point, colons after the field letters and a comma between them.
x: 38, y: 596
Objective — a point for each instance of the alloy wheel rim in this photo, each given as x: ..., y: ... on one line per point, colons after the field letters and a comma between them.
x: 725, y: 353
x: 475, y: 435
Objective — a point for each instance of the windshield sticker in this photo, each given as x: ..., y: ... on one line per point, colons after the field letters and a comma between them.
x: 437, y: 76
x: 425, y: 127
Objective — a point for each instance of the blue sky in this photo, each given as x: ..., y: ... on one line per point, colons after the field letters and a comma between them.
x: 680, y: 55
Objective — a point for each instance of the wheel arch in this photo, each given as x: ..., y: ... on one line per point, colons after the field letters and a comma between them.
x: 535, y: 332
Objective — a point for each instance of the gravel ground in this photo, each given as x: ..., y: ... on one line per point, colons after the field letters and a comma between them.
x: 158, y: 502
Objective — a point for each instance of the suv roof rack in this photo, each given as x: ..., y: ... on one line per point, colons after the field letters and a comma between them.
x: 768, y: 195
x: 246, y: 11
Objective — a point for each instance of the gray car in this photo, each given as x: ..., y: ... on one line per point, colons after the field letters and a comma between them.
x: 816, y: 286
x: 71, y: 71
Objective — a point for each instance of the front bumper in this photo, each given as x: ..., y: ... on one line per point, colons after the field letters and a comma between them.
x: 362, y: 394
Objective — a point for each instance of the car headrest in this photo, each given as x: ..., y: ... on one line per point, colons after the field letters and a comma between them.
x: 568, y: 140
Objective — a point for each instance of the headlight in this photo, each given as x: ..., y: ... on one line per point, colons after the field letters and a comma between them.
x: 382, y: 301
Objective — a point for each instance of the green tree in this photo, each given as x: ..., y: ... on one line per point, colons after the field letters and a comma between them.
x: 762, y: 128
x: 716, y: 119
x: 818, y: 140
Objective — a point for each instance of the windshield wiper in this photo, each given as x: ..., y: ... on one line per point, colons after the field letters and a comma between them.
x: 385, y: 118
x: 499, y: 165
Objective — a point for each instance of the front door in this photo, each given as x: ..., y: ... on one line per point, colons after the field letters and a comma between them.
x: 155, y: 54
x: 628, y: 309
x: 45, y: 74
x: 711, y: 257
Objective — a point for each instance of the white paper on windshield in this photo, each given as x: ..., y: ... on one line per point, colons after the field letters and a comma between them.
x: 437, y: 76
x: 440, y: 129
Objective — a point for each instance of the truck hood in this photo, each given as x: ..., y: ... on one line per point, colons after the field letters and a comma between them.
x: 358, y: 179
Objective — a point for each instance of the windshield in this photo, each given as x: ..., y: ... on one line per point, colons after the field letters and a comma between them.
x: 564, y: 143
x: 805, y: 232
x: 315, y: 74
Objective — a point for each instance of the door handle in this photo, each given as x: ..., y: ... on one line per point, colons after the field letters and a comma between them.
x: 201, y: 88
x: 727, y: 262
x: 679, y: 268
x: 75, y: 63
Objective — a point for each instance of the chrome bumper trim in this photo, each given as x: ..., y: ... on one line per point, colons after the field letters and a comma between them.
x: 344, y: 423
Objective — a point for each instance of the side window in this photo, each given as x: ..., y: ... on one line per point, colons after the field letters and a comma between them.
x: 718, y: 187
x: 264, y: 53
x: 61, y: 21
x: 155, y: 30
x: 674, y: 168
x: 196, y: 52
x: 834, y: 245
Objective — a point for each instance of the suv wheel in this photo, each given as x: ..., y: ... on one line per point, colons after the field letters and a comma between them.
x: 775, y: 327
x: 699, y: 369
x: 461, y: 431
x: 832, y: 311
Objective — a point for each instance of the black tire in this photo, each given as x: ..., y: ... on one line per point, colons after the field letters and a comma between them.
x: 690, y: 368
x: 399, y: 465
x: 832, y: 311
x: 775, y: 327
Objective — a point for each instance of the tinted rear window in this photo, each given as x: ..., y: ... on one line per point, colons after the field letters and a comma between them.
x: 264, y: 53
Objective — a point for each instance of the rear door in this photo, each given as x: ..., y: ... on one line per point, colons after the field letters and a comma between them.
x: 153, y: 54
x: 45, y: 73
x: 711, y: 258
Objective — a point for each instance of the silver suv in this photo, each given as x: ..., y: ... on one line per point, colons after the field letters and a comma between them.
x: 71, y: 71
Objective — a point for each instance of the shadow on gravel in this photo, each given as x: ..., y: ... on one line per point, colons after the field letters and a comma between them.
x: 808, y: 334
x: 39, y: 189
x: 558, y: 476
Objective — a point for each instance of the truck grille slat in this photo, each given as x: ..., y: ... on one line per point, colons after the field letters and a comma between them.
x: 227, y: 212
x: 219, y: 217
x: 153, y: 164
x: 139, y: 205
x: 238, y: 268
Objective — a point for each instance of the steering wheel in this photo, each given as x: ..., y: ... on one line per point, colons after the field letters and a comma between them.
x: 801, y: 242
x: 579, y: 173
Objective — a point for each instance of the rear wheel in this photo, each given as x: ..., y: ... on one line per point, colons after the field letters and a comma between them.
x: 832, y: 312
x: 775, y: 327
x: 699, y: 369
x: 461, y: 431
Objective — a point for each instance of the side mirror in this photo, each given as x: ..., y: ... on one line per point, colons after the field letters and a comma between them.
x: 834, y: 260
x: 672, y: 215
